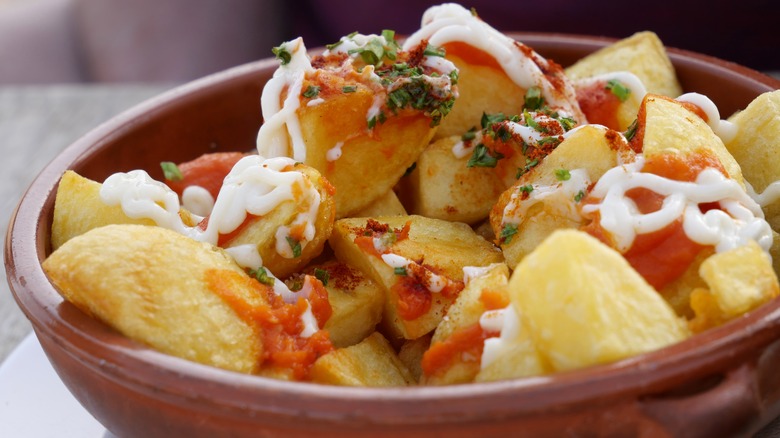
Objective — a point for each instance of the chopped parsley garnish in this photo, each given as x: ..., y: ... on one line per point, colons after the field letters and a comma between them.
x: 531, y: 123
x: 282, y: 54
x: 431, y: 50
x: 322, y: 275
x: 171, y: 171
x: 295, y: 246
x: 349, y: 88
x: 631, y: 131
x: 381, y: 118
x: 481, y: 157
x: 567, y: 123
x: 261, y: 275
x: 507, y: 233
x: 618, y: 89
x: 578, y: 197
x: 311, y: 91
x: 489, y: 119
x: 528, y: 188
x: 562, y: 174
x: 401, y: 270
x: 419, y: 94
x: 533, y: 99
x: 529, y: 164
x: 553, y: 140
x: 471, y: 134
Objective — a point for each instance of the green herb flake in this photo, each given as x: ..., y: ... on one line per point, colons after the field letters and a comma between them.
x: 562, y: 174
x: 489, y: 119
x: 401, y: 270
x: 567, y: 123
x: 322, y: 275
x: 578, y: 197
x: 311, y: 91
x: 261, y: 275
x: 282, y: 54
x: 533, y: 99
x: 333, y: 45
x: 531, y: 123
x: 481, y: 157
x: 529, y: 164
x: 349, y: 88
x: 470, y: 135
x: 618, y: 89
x: 431, y: 50
x: 507, y: 233
x: 171, y: 171
x: 295, y: 246
x: 631, y: 131
x: 528, y: 188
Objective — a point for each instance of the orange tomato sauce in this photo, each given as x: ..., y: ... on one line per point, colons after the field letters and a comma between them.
x: 599, y: 105
x: 276, y: 323
x: 661, y: 257
x: 207, y: 171
x: 466, y: 343
x: 471, y: 54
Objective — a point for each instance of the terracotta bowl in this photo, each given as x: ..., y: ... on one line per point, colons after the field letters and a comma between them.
x: 720, y: 383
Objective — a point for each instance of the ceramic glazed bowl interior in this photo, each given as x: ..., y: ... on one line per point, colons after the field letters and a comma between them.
x: 719, y: 382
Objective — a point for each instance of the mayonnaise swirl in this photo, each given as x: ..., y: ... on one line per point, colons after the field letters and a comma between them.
x: 448, y: 23
x: 738, y: 220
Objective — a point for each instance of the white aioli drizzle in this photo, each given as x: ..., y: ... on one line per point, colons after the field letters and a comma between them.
x: 722, y: 128
x: 561, y: 194
x: 435, y: 283
x: 507, y: 322
x: 739, y: 221
x: 253, y: 186
x: 451, y: 22
x: 769, y: 196
x: 197, y: 200
x: 281, y: 124
x: 334, y: 153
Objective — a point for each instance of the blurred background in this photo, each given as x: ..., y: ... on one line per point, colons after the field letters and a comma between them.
x: 172, y: 41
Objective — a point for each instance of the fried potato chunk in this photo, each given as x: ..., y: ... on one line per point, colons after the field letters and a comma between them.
x: 756, y: 147
x: 670, y: 127
x: 738, y: 281
x: 465, y: 312
x: 373, y: 362
x: 585, y: 305
x: 356, y: 302
x: 78, y: 209
x: 418, y: 261
x: 642, y: 54
x: 262, y: 230
x: 443, y: 186
x: 541, y: 201
x: 340, y: 122
x: 157, y: 287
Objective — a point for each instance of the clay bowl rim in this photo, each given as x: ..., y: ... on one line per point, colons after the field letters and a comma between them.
x: 715, y: 351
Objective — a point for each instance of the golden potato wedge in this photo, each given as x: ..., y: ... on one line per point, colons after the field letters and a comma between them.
x: 443, y: 186
x: 372, y: 362
x: 466, y: 312
x: 513, y: 354
x: 261, y: 231
x: 482, y: 88
x: 642, y: 54
x: 411, y: 354
x: 738, y: 281
x: 756, y: 147
x: 521, y: 220
x: 435, y: 250
x: 666, y: 126
x: 158, y: 287
x: 386, y: 205
x: 340, y: 122
x: 356, y: 302
x: 78, y: 209
x: 585, y: 305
